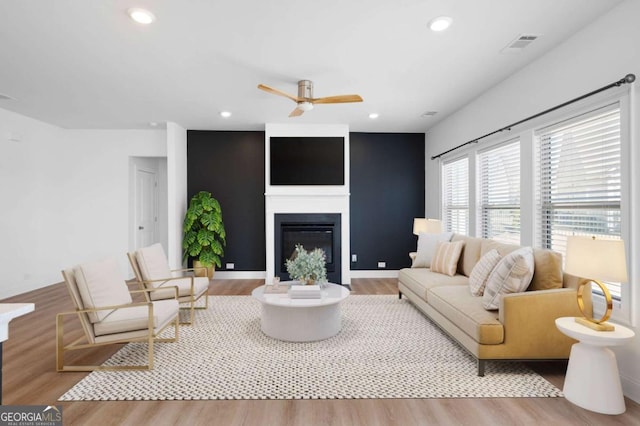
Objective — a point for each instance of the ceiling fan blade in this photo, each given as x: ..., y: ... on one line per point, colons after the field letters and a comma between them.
x: 340, y: 99
x: 278, y: 92
x: 296, y: 112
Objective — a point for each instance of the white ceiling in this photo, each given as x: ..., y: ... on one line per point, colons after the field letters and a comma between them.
x: 85, y: 64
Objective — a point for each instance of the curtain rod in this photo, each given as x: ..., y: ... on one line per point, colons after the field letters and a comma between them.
x: 629, y: 78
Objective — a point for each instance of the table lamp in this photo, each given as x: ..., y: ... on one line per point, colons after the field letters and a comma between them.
x: 429, y: 226
x: 596, y: 260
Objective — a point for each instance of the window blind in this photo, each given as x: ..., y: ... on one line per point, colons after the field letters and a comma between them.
x: 499, y: 193
x: 455, y: 195
x: 580, y: 180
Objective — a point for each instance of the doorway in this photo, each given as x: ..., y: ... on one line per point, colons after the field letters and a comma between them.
x: 147, y: 201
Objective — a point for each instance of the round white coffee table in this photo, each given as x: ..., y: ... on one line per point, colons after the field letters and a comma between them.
x: 301, y: 320
x: 592, y: 379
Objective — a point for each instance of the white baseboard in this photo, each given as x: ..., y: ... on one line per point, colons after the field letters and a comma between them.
x: 261, y: 275
x: 374, y: 274
x: 631, y: 388
x: 240, y: 275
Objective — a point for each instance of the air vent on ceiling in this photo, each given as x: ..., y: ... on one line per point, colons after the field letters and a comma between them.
x: 428, y: 114
x: 5, y: 97
x: 522, y: 41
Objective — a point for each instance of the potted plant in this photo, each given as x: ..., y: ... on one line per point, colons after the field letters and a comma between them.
x: 203, y: 235
x: 307, y: 267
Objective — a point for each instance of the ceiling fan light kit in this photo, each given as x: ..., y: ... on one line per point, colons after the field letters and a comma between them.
x: 305, y: 100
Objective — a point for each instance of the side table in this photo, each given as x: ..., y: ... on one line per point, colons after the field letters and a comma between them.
x: 592, y: 381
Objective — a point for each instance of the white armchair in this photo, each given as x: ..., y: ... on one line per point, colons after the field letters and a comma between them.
x: 151, y: 269
x: 108, y: 314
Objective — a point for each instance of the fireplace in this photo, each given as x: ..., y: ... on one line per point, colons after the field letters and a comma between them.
x: 312, y: 230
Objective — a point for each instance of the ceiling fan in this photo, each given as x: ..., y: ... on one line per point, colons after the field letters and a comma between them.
x: 305, y: 99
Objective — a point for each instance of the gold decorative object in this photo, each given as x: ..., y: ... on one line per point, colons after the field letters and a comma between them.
x: 597, y: 260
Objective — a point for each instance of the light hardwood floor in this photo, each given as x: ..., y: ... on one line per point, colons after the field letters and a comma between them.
x: 30, y: 378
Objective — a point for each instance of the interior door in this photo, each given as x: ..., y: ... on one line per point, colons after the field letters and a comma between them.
x: 146, y: 208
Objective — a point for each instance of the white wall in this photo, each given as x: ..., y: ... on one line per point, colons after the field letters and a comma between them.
x: 601, y: 53
x: 64, y: 197
x: 176, y: 190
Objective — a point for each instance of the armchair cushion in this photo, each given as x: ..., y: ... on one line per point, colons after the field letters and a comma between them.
x: 200, y: 285
x: 153, y: 262
x: 101, y: 284
x: 136, y: 318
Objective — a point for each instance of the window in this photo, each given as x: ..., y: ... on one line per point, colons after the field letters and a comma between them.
x: 455, y: 196
x: 580, y: 180
x: 499, y: 193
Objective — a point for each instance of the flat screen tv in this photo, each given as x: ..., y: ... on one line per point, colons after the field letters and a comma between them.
x: 307, y: 160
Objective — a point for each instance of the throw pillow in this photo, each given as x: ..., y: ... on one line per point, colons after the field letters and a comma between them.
x: 101, y: 284
x: 427, y: 248
x: 445, y: 260
x: 511, y: 275
x: 548, y: 270
x: 482, y: 270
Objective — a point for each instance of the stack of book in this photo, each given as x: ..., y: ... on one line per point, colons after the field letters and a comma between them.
x: 305, y: 292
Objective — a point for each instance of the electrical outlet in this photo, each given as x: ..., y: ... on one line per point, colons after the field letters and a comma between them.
x: 382, y: 264
x: 231, y: 265
x: 354, y: 257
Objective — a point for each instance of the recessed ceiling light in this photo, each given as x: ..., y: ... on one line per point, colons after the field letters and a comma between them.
x: 153, y: 124
x: 440, y: 23
x: 374, y: 115
x: 141, y: 16
x: 225, y: 114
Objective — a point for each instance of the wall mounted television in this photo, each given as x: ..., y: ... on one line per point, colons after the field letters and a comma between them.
x: 307, y: 160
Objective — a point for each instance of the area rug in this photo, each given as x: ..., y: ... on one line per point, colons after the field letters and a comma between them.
x: 386, y: 349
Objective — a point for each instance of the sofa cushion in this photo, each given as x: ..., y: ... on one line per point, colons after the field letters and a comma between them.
x: 511, y: 275
x: 470, y: 253
x: 427, y: 247
x: 153, y: 262
x: 125, y: 320
x: 467, y: 313
x: 101, y: 284
x: 482, y: 270
x: 446, y: 258
x: 547, y: 273
x: 419, y: 280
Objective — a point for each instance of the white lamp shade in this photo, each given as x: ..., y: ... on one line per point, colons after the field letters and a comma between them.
x: 602, y: 260
x: 428, y: 226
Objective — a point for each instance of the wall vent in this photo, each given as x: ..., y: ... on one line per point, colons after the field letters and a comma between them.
x: 520, y: 42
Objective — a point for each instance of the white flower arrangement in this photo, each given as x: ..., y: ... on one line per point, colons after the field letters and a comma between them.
x: 307, y: 266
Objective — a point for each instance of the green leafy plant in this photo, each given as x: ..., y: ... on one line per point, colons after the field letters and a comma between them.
x: 203, y: 235
x: 307, y: 266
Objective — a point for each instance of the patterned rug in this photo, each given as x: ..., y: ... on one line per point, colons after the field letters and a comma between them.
x: 386, y: 349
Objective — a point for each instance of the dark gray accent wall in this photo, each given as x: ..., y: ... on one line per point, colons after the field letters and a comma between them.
x: 387, y: 192
x: 230, y: 165
x: 386, y: 184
